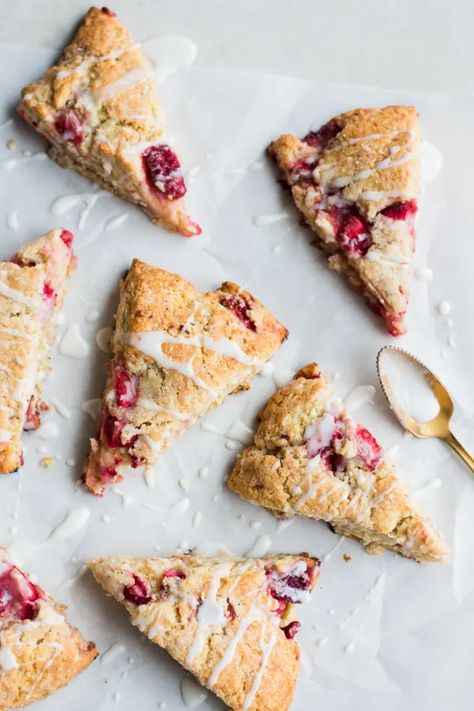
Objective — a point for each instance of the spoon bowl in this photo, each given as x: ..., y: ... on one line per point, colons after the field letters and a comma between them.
x: 439, y: 425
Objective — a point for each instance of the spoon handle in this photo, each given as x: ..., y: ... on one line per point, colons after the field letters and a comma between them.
x: 460, y: 450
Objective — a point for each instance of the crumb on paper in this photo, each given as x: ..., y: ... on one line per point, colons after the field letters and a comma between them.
x: 47, y: 462
x: 11, y: 144
x: 347, y: 557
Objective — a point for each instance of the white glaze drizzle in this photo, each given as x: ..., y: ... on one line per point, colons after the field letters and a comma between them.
x: 150, y: 343
x: 257, y: 680
x: 210, y: 613
x: 226, y: 659
x: 124, y: 83
x: 18, y: 296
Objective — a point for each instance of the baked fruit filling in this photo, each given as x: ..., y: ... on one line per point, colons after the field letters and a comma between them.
x: 39, y: 650
x: 33, y: 285
x: 99, y: 109
x: 356, y: 182
x: 176, y: 355
x: 311, y: 459
x: 229, y: 621
x: 19, y: 597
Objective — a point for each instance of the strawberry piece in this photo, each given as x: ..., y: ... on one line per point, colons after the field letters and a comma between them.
x: 108, y: 473
x: 240, y: 307
x: 69, y: 125
x: 290, y: 586
x: 67, y: 237
x: 292, y: 629
x: 368, y: 449
x: 163, y: 170
x: 174, y: 573
x: 49, y: 294
x: 354, y: 236
x: 109, y: 12
x: 138, y: 592
x: 126, y: 387
x: 32, y: 417
x: 401, y: 210
x: 318, y: 139
x: 19, y: 597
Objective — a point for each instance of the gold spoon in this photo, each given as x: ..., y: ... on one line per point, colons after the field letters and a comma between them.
x: 438, y: 426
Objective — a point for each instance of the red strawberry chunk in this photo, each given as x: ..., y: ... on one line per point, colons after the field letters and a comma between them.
x: 324, y: 135
x: 126, y: 387
x: 291, y: 586
x: 230, y: 612
x: 241, y: 308
x: 138, y: 592
x: 163, y: 170
x: 108, y: 473
x: 32, y: 417
x: 174, y: 573
x: 109, y: 12
x: 354, y: 236
x: 49, y: 294
x: 69, y: 125
x: 368, y: 449
x: 292, y: 629
x: 67, y: 237
x: 401, y: 210
x: 19, y: 597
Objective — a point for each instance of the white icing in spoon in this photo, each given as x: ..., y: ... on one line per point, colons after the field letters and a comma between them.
x: 72, y: 344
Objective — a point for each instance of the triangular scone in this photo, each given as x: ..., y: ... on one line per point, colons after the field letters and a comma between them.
x: 356, y: 183
x: 32, y: 288
x: 229, y: 621
x: 177, y: 354
x: 311, y: 459
x: 39, y: 651
x: 99, y: 109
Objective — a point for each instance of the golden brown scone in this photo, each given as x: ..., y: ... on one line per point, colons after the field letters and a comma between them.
x: 33, y: 285
x: 39, y: 651
x: 311, y: 459
x: 356, y: 183
x: 177, y: 354
x: 229, y: 621
x: 99, y: 109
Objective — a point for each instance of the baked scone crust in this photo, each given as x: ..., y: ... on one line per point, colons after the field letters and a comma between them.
x: 32, y: 289
x: 356, y: 183
x: 99, y: 109
x: 311, y: 459
x: 39, y: 653
x: 229, y: 621
x: 177, y: 354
